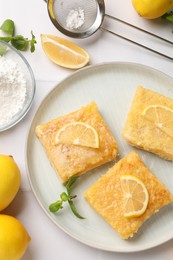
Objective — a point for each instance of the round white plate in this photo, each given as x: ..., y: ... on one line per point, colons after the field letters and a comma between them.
x: 112, y: 87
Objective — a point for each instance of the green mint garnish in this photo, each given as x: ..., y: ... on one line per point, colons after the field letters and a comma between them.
x: 66, y: 197
x: 17, y: 41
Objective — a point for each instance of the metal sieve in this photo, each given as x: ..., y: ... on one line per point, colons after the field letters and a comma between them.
x: 94, y: 11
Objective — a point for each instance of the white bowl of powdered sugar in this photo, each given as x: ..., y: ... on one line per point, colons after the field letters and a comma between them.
x: 17, y: 86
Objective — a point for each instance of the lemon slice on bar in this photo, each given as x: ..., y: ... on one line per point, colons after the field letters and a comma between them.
x: 78, y: 133
x: 161, y: 116
x: 135, y: 196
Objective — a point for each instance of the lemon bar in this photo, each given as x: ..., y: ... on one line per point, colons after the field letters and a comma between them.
x: 149, y: 124
x: 68, y: 159
x: 106, y: 195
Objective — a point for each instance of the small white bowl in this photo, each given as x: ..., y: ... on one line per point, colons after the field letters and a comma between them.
x: 15, y: 56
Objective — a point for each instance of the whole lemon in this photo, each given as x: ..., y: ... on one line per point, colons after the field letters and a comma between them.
x: 14, y: 238
x: 9, y: 180
x: 152, y: 9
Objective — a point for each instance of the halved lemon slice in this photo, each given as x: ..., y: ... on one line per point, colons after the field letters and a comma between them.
x: 64, y: 52
x: 78, y: 133
x: 135, y: 196
x: 161, y: 116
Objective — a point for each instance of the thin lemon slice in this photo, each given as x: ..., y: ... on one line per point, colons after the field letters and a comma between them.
x: 63, y: 52
x: 161, y: 116
x: 135, y: 196
x: 78, y: 133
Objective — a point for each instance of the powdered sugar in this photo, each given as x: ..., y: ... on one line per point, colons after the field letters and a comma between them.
x: 75, y: 18
x: 12, y: 90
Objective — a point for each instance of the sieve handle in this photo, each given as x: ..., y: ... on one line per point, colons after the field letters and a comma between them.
x: 138, y: 28
x: 137, y: 43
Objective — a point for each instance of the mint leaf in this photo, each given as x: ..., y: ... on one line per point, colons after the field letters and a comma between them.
x: 8, y: 27
x: 64, y: 196
x: 32, y: 42
x: 74, y: 210
x: 168, y: 16
x: 3, y: 49
x: 70, y: 183
x: 6, y: 39
x: 19, y: 42
x: 54, y: 207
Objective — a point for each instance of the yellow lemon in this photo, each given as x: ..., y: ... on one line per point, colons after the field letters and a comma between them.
x: 14, y: 238
x: 9, y: 180
x: 152, y: 9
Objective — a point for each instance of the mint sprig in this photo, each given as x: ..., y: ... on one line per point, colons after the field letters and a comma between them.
x: 17, y: 41
x: 66, y: 197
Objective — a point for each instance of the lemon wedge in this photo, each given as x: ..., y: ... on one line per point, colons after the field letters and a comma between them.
x: 64, y: 52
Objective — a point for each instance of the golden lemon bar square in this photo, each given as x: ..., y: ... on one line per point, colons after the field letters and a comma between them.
x: 156, y: 134
x: 69, y: 160
x: 106, y: 196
